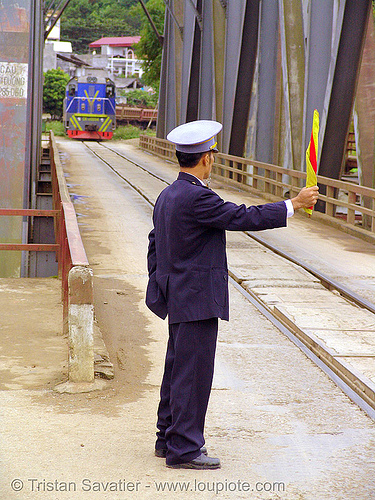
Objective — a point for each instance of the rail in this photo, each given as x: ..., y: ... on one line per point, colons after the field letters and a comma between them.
x: 74, y: 271
x: 349, y: 205
x: 358, y: 386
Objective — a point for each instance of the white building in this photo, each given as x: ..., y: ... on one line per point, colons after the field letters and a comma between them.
x: 119, y: 54
x: 53, y: 46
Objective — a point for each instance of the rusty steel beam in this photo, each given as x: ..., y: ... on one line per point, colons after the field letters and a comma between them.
x: 293, y: 69
x: 267, y: 81
x: 232, y: 38
x: 161, y: 124
x: 31, y: 247
x: 365, y: 111
x: 29, y: 212
x: 245, y: 75
x: 219, y: 27
x: 195, y: 69
x: 206, y: 87
x: 364, y: 119
x: 344, y: 85
x: 318, y: 58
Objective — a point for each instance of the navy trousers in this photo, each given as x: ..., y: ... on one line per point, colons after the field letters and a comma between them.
x: 185, y: 389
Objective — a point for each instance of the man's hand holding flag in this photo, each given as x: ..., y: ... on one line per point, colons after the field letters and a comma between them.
x: 308, y: 195
x: 311, y: 157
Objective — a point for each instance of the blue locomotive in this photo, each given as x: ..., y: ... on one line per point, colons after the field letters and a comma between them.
x: 90, y: 108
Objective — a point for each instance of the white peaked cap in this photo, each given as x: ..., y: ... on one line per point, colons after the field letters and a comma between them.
x: 195, y: 137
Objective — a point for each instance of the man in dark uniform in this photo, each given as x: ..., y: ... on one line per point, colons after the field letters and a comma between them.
x: 188, y: 281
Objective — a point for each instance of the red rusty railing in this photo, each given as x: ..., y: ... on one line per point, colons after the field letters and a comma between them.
x: 68, y: 244
x: 34, y: 247
x: 71, y: 251
x: 346, y: 203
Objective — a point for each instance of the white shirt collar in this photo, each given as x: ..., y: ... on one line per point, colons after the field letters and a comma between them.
x: 200, y: 180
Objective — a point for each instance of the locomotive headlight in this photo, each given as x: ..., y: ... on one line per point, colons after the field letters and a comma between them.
x: 79, y: 118
x: 102, y: 119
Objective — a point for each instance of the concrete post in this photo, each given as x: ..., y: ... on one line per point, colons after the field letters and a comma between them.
x: 81, y: 324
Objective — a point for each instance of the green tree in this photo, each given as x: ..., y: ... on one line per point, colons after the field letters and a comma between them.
x: 55, y: 81
x: 148, y: 48
x: 85, y: 21
x: 141, y: 98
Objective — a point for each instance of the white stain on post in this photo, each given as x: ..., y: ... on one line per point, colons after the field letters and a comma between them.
x: 81, y: 325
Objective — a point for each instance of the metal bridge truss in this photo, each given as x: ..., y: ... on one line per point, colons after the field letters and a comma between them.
x: 24, y: 25
x: 262, y: 66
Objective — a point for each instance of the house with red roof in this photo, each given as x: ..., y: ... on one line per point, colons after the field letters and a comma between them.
x: 119, y: 53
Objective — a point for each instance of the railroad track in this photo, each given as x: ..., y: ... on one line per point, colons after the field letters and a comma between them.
x: 336, y: 365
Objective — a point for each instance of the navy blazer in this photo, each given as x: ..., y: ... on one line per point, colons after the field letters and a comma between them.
x: 187, y: 263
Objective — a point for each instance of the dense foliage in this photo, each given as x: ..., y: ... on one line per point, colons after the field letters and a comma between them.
x: 56, y: 126
x: 85, y: 21
x: 55, y: 81
x: 149, y: 48
x: 141, y: 98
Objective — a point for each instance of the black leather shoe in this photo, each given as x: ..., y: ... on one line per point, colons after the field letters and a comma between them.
x: 201, y: 462
x: 162, y: 452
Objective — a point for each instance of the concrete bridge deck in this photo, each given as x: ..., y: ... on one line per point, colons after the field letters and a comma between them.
x: 282, y: 429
